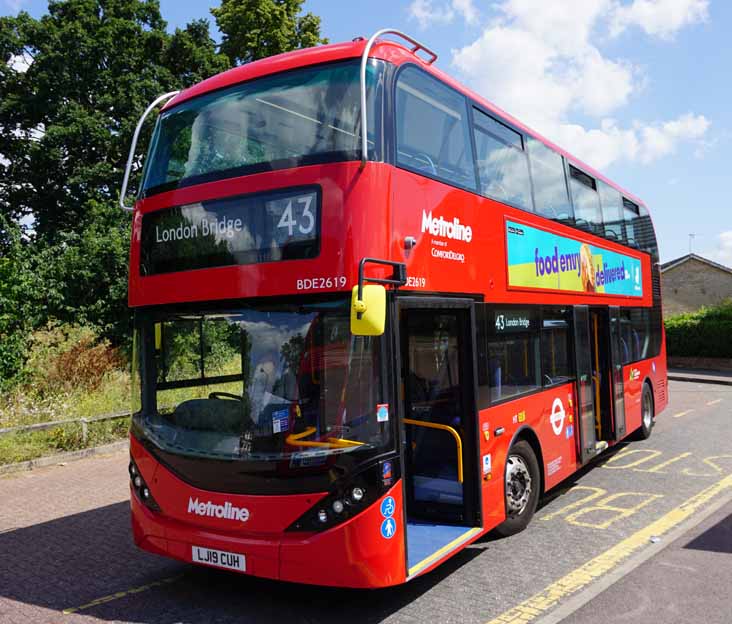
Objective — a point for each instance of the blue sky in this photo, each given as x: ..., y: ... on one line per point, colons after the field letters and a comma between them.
x: 639, y: 89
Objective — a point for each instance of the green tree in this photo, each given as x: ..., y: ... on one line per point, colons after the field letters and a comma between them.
x: 254, y: 29
x: 74, y: 83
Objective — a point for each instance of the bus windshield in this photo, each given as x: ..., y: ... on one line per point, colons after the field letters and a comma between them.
x: 296, y: 118
x: 260, y: 384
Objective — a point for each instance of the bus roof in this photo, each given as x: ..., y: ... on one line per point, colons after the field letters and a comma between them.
x: 386, y: 50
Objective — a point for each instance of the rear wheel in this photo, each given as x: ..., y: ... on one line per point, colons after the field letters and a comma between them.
x: 522, y: 488
x: 647, y: 413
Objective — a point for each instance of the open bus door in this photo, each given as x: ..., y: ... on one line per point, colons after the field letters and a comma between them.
x: 585, y: 383
x: 439, y: 427
x: 616, y: 367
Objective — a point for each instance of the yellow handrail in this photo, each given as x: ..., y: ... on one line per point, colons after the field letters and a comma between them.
x: 455, y: 434
x: 295, y: 439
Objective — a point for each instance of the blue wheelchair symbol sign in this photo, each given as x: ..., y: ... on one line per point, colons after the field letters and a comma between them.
x: 388, y: 506
x: 388, y: 528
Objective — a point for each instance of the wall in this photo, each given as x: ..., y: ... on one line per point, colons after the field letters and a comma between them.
x: 693, y: 284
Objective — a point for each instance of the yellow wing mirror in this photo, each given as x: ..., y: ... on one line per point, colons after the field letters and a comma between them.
x: 368, y: 314
x: 368, y: 302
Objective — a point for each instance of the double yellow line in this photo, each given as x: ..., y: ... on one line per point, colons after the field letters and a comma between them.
x: 579, y: 578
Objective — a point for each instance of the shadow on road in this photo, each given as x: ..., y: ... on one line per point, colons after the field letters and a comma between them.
x: 717, y: 538
x: 72, y: 561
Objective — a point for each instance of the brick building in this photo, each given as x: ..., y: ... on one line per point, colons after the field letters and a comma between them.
x: 691, y: 282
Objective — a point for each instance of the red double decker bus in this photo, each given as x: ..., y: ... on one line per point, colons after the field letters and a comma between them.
x: 375, y: 318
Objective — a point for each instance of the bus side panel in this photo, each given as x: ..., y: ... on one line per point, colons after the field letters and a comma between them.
x: 550, y: 414
x: 634, y: 375
x: 353, y: 554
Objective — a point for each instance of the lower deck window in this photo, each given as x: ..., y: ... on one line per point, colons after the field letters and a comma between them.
x: 513, y: 365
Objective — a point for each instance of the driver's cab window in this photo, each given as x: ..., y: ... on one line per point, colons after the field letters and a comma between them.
x: 433, y: 135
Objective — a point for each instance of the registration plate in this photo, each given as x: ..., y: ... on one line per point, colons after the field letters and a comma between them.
x: 220, y: 558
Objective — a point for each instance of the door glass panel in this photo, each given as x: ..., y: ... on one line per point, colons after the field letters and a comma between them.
x: 586, y: 401
x: 433, y: 397
x: 617, y: 373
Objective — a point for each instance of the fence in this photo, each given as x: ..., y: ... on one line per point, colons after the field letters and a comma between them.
x: 84, y: 422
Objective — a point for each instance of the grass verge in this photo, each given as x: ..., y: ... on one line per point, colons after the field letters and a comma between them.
x: 19, y: 447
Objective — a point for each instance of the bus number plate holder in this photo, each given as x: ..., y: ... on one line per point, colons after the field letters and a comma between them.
x: 219, y: 558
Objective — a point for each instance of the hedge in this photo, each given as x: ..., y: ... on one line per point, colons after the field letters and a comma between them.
x: 706, y: 333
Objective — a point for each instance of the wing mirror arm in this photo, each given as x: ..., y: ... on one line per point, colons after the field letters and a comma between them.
x: 131, y: 156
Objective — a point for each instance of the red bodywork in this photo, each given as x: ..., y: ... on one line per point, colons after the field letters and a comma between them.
x: 366, y: 211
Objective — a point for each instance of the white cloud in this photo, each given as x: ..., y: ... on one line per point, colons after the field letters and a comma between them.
x: 539, y: 60
x: 660, y: 18
x: 428, y: 13
x: 20, y: 62
x: 723, y: 251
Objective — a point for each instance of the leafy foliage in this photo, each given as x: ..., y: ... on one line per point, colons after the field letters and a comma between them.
x: 74, y: 83
x: 254, y: 29
x: 705, y: 333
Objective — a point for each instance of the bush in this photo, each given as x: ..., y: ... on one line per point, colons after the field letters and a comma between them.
x: 705, y: 333
x: 63, y: 358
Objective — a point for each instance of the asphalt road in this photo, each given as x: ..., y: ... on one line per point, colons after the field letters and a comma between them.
x: 66, y: 553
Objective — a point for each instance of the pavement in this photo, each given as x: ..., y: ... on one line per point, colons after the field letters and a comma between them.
x: 643, y: 534
x: 695, y: 375
x: 688, y: 581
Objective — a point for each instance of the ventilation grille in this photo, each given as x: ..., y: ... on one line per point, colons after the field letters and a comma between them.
x: 661, y: 387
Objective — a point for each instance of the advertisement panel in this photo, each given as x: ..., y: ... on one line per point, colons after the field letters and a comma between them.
x: 548, y: 261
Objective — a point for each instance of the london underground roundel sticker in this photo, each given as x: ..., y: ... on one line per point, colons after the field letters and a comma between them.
x: 557, y: 416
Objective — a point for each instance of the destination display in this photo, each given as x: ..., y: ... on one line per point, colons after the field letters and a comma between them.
x: 508, y: 321
x: 548, y: 261
x: 237, y: 230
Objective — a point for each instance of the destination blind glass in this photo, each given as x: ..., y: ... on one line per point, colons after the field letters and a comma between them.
x: 237, y: 230
x: 507, y: 321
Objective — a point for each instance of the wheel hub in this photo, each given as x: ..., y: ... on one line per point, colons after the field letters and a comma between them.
x: 647, y: 416
x: 518, y: 485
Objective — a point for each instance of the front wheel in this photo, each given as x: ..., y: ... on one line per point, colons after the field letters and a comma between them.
x: 522, y: 488
x: 647, y: 413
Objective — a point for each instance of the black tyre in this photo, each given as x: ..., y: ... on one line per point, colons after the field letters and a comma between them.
x: 522, y: 485
x: 648, y: 414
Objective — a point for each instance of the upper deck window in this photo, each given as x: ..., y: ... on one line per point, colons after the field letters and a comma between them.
x: 503, y: 167
x: 433, y: 135
x: 301, y: 117
x: 631, y: 216
x: 612, y: 211
x: 550, y: 185
x: 587, y: 212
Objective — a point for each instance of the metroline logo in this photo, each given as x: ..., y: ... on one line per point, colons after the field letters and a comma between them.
x: 212, y: 510
x: 447, y: 229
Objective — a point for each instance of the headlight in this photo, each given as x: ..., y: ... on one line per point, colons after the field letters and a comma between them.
x: 143, y: 492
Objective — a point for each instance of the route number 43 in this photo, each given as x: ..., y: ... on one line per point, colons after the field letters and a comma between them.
x: 305, y: 223
x: 500, y: 322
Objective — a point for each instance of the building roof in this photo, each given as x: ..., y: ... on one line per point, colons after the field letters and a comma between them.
x: 672, y: 264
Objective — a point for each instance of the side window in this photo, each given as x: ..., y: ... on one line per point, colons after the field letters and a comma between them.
x: 640, y: 328
x: 514, y: 363
x: 626, y: 336
x: 503, y: 167
x: 586, y: 200
x: 556, y: 350
x: 612, y: 211
x: 631, y: 216
x: 550, y: 186
x: 433, y: 135
x: 644, y: 234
